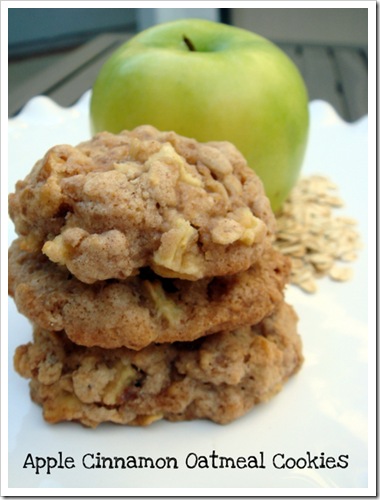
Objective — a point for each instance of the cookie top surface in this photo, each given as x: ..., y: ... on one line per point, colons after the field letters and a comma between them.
x: 146, y: 308
x: 118, y: 203
x: 219, y: 377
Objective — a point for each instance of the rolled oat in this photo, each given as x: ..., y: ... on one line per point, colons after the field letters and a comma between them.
x: 313, y: 236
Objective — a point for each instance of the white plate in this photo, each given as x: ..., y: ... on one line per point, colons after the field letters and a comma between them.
x: 322, y: 411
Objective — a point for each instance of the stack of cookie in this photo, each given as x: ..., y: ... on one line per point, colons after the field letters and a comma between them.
x: 144, y: 261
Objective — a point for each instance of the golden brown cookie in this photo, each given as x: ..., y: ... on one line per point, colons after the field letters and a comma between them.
x: 146, y: 308
x: 145, y: 198
x: 219, y: 377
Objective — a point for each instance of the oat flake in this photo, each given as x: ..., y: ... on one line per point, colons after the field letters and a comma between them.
x: 318, y: 242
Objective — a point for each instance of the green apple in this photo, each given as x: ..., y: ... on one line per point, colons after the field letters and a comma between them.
x: 210, y: 81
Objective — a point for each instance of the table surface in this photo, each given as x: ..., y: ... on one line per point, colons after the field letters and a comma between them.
x: 336, y: 74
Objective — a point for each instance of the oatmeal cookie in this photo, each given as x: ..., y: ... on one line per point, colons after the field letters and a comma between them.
x: 219, y: 377
x: 144, y: 198
x: 145, y: 308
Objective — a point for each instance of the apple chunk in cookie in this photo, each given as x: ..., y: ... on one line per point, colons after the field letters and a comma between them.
x: 144, y: 198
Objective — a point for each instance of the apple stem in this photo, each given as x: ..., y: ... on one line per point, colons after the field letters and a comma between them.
x: 189, y: 43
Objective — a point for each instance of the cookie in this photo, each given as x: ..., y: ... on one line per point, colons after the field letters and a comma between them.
x: 119, y: 203
x: 145, y: 308
x: 219, y: 377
